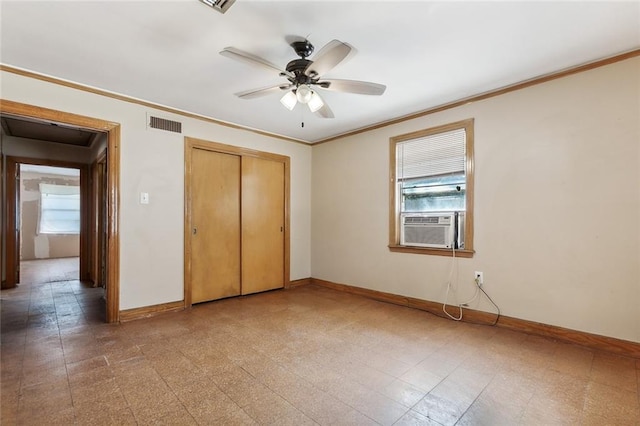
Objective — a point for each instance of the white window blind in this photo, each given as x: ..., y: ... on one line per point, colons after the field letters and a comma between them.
x: 59, y: 209
x: 433, y: 155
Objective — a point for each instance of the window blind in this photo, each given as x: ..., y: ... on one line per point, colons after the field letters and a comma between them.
x: 433, y: 155
x: 59, y: 209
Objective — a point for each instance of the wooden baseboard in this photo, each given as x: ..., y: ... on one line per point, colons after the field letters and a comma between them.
x: 149, y: 311
x: 298, y: 283
x: 593, y: 341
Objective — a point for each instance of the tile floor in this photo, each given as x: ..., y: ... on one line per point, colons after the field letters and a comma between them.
x: 303, y: 356
x: 49, y: 270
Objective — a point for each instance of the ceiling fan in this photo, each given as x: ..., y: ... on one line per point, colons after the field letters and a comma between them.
x: 304, y: 76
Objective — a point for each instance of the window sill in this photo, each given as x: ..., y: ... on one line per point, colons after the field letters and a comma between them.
x: 431, y: 251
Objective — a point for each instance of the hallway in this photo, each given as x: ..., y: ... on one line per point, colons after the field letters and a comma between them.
x: 49, y: 298
x: 49, y: 270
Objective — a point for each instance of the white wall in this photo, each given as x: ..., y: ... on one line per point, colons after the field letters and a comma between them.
x: 151, y: 236
x: 557, y: 206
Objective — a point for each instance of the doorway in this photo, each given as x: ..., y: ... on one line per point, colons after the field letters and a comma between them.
x: 89, y: 215
x: 50, y: 232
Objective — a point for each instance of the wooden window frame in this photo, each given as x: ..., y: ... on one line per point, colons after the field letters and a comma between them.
x: 394, y: 205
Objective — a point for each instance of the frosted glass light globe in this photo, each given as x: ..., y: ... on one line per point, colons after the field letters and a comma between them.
x: 303, y: 93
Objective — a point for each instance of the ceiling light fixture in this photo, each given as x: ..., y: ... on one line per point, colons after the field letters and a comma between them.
x: 303, y: 94
x: 289, y: 100
x: 316, y: 102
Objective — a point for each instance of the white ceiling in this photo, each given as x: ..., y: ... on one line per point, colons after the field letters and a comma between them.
x: 426, y: 53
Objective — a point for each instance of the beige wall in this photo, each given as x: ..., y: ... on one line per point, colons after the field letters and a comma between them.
x: 152, y: 161
x: 42, y: 246
x: 557, y: 206
x: 557, y: 230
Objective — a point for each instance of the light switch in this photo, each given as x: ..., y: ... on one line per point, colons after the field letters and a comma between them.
x: 144, y: 198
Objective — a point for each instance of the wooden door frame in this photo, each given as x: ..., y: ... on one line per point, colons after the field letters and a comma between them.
x: 20, y: 110
x: 193, y: 143
x: 97, y: 215
x: 11, y: 231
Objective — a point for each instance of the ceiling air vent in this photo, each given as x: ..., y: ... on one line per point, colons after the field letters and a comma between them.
x: 164, y: 124
x: 219, y: 5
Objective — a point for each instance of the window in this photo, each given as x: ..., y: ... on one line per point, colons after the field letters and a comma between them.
x: 59, y: 209
x: 431, y: 190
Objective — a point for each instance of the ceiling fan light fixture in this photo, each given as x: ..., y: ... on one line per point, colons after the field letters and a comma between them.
x: 304, y: 93
x: 304, y: 75
x: 316, y: 102
x: 289, y: 100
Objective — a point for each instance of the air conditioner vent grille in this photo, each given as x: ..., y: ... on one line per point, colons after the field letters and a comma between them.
x: 220, y: 5
x: 434, y: 236
x: 421, y: 219
x: 164, y: 124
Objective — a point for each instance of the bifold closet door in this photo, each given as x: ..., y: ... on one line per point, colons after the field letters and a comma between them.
x: 215, y: 219
x: 262, y: 224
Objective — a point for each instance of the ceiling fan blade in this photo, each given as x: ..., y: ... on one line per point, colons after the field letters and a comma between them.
x: 325, y: 111
x: 328, y: 57
x: 257, y: 93
x: 353, y: 86
x: 249, y: 58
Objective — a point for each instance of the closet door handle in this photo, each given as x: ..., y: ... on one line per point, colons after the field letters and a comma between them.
x: 195, y: 231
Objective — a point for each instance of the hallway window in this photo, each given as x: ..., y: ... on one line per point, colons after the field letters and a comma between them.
x: 59, y: 209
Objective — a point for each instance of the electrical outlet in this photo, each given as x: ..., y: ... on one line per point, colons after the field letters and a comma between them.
x: 478, y: 277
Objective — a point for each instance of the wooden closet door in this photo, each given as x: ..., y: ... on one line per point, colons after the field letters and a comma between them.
x: 262, y: 224
x: 215, y: 234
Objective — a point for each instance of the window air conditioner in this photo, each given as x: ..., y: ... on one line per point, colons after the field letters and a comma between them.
x: 428, y: 230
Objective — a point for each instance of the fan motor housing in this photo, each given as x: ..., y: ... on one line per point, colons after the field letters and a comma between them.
x: 302, y: 48
x: 298, y: 65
